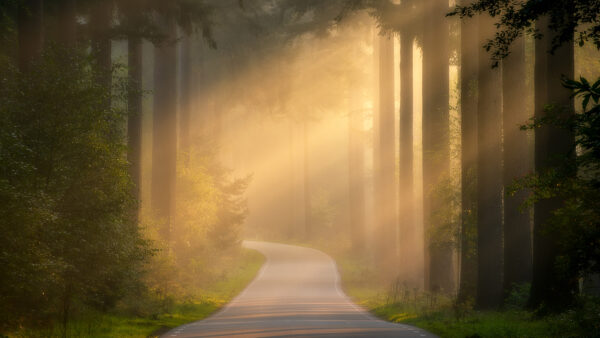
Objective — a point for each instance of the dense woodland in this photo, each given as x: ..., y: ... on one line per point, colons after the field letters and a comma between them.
x: 453, y: 147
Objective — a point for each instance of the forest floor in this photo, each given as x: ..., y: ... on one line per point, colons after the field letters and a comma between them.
x: 122, y: 324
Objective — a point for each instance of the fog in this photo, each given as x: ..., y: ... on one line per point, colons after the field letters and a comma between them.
x: 281, y: 115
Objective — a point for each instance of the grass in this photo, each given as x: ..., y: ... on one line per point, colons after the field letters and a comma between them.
x: 445, y: 317
x: 214, y: 296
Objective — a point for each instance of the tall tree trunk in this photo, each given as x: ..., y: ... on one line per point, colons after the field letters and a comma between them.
x: 356, y: 169
x: 186, y: 98
x: 374, y: 216
x: 308, y: 231
x: 517, y: 227
x: 164, y: 154
x: 100, y: 21
x: 408, y: 255
x: 134, y: 123
x: 67, y: 23
x: 293, y: 184
x: 30, y: 32
x: 552, y: 144
x: 469, y: 66
x: 385, y: 191
x: 489, y: 176
x: 439, y: 263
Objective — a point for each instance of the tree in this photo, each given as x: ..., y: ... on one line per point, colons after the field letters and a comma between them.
x: 436, y: 143
x: 356, y: 160
x: 134, y: 121
x: 565, y: 18
x: 385, y: 194
x: 489, y: 178
x: 469, y: 68
x: 407, y: 226
x: 164, y: 143
x: 517, y: 159
x: 68, y: 22
x: 30, y: 32
x: 65, y: 190
x: 555, y: 25
x: 187, y: 92
x: 64, y: 29
x: 308, y: 231
x: 101, y: 17
x: 549, y: 288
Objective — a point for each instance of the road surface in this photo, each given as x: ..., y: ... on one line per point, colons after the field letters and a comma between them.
x: 295, y: 294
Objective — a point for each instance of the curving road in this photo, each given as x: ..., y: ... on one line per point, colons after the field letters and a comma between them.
x: 295, y: 294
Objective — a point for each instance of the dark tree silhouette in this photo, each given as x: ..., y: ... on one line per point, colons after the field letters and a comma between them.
x: 517, y: 164
x: 552, y: 143
x: 469, y: 69
x: 489, y: 177
x: 30, y: 32
x: 436, y: 137
x: 164, y: 144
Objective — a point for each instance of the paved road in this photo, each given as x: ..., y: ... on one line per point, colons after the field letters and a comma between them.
x: 295, y: 294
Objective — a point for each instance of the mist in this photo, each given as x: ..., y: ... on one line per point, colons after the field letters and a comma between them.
x: 286, y: 159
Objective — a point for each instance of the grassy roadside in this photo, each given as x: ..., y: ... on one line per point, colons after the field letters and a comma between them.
x: 445, y: 317
x: 118, y: 324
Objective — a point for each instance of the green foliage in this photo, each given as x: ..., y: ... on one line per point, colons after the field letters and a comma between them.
x: 517, y: 18
x: 205, y: 234
x: 323, y: 212
x: 518, y: 296
x: 575, y: 180
x: 150, y: 320
x: 68, y: 240
x: 444, y: 231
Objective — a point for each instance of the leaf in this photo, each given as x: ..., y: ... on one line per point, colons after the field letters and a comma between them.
x: 585, y: 102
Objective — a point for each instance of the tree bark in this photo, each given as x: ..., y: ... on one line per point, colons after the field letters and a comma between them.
x: 164, y: 152
x: 439, y: 269
x: 67, y: 23
x: 489, y: 177
x: 356, y: 169
x: 30, y: 32
x: 469, y: 67
x: 517, y: 227
x: 552, y: 144
x: 134, y: 122
x: 385, y: 189
x: 308, y: 231
x: 100, y: 22
x: 186, y: 99
x: 407, y: 227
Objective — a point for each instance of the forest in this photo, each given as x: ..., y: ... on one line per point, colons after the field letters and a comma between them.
x: 444, y: 153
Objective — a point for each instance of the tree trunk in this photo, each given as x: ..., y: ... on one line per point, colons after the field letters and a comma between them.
x: 374, y: 216
x: 489, y: 177
x: 385, y: 191
x: 186, y: 99
x: 134, y: 123
x: 164, y: 152
x: 552, y: 144
x: 30, y: 32
x: 100, y: 21
x: 439, y: 269
x: 67, y: 23
x: 470, y: 50
x: 407, y: 227
x: 517, y: 227
x: 308, y: 231
x: 356, y: 169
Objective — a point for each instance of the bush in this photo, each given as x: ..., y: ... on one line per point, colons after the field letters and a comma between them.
x: 68, y: 237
